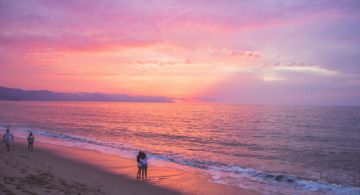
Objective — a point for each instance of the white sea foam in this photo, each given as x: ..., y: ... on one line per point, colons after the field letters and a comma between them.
x: 245, y: 177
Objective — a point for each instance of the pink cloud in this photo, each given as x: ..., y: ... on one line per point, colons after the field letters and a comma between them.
x: 173, y: 43
x: 247, y: 54
x: 90, y: 24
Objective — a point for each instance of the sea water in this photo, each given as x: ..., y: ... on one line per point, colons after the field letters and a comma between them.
x: 271, y: 149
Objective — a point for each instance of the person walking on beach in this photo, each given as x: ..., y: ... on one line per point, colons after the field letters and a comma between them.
x: 144, y: 166
x: 30, y: 140
x: 8, y: 138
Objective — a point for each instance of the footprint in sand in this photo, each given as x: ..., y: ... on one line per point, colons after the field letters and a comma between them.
x: 9, y: 180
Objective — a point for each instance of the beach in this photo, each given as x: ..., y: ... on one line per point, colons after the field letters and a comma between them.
x: 203, y: 97
x: 54, y: 169
x: 192, y: 148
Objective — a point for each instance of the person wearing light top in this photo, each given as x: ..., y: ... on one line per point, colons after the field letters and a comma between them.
x: 8, y: 138
x: 30, y: 140
x: 144, y: 166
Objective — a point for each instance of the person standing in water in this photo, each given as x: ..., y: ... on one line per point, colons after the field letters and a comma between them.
x: 8, y: 138
x: 144, y: 166
x: 30, y: 140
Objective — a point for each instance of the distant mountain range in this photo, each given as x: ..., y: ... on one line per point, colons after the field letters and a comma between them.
x: 12, y: 94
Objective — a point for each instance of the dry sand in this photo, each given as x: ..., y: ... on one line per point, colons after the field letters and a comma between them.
x: 52, y: 169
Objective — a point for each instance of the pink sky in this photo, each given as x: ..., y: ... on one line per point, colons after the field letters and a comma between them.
x: 266, y: 52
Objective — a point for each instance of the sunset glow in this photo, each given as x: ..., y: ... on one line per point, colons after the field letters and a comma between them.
x: 292, y: 52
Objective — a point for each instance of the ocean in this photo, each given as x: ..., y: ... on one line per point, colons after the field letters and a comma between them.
x: 270, y: 149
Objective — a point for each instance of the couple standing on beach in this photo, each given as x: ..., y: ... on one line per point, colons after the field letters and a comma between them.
x: 8, y: 138
x: 141, y: 159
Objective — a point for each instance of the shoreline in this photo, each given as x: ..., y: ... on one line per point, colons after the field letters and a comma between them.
x: 96, y: 173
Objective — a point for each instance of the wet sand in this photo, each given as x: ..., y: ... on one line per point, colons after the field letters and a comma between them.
x: 53, y: 169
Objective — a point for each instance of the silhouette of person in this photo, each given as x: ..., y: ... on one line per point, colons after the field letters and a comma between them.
x: 138, y: 160
x: 30, y: 140
x: 8, y: 138
x: 144, y: 166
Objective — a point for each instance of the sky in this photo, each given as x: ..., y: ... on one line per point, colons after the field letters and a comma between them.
x: 232, y: 51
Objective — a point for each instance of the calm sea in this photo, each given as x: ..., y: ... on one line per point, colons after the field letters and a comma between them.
x: 273, y: 149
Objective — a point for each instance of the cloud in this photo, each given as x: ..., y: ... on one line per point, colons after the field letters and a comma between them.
x: 89, y: 24
x: 178, y: 48
x: 247, y: 54
x: 246, y: 88
x: 304, y: 69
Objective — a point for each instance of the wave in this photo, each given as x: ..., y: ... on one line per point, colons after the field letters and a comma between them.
x: 221, y: 173
x: 287, y: 183
x: 73, y: 140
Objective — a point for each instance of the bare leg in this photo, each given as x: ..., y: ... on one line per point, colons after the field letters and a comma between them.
x: 142, y: 173
x: 138, y: 175
x: 145, y: 170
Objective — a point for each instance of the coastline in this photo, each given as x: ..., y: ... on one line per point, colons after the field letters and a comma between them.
x: 54, y: 169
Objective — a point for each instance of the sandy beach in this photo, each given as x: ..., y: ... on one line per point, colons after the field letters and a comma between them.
x: 53, y: 169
